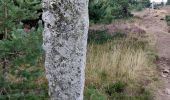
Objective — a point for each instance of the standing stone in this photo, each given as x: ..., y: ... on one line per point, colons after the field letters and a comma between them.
x: 64, y: 42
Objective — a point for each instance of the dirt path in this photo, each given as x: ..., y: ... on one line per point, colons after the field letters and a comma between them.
x: 153, y: 22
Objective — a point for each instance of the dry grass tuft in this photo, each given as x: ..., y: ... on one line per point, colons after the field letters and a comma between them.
x: 121, y: 59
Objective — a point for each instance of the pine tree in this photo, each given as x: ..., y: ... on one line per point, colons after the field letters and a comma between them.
x: 107, y: 10
x: 14, y: 11
x: 20, y: 52
x: 168, y: 2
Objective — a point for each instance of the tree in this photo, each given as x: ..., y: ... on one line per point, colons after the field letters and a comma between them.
x: 15, y: 11
x: 65, y: 40
x: 107, y: 10
x: 19, y: 52
x: 168, y: 2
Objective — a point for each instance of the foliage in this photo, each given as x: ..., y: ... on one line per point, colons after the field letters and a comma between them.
x: 141, y: 4
x: 145, y: 3
x: 168, y: 20
x: 14, y: 11
x: 101, y: 36
x: 117, y: 87
x: 107, y: 10
x: 21, y: 46
x: 21, y: 75
x: 23, y: 69
x: 168, y: 2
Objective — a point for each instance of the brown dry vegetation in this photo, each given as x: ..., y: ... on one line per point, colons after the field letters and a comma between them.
x: 127, y: 59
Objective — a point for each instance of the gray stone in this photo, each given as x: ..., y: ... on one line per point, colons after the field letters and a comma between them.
x: 167, y: 91
x: 166, y: 71
x: 64, y: 41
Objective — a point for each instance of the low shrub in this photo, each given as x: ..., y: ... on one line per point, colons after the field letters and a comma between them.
x: 106, y: 10
x: 102, y: 36
x: 118, y: 87
x: 99, y: 37
x: 168, y: 20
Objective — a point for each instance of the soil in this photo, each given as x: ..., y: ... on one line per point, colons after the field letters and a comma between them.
x: 154, y: 22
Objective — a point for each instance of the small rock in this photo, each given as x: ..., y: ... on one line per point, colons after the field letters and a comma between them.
x: 167, y: 59
x: 167, y: 91
x: 162, y: 18
x: 166, y: 71
x: 156, y: 15
x: 163, y: 75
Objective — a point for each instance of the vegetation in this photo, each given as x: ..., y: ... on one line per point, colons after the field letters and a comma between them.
x: 118, y: 67
x: 22, y: 74
x: 168, y: 20
x: 141, y: 4
x: 168, y: 2
x: 14, y: 12
x: 21, y: 71
x: 106, y: 10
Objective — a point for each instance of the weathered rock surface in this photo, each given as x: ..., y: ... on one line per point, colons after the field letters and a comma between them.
x: 65, y: 40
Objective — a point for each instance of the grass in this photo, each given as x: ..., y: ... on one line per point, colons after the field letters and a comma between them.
x: 124, y: 60
x: 118, y: 68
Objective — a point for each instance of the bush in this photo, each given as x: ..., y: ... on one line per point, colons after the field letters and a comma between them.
x: 107, y: 10
x: 21, y: 77
x: 118, y: 87
x: 102, y: 36
x: 21, y: 69
x: 99, y: 37
x: 140, y: 5
x: 15, y: 11
x: 167, y: 18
